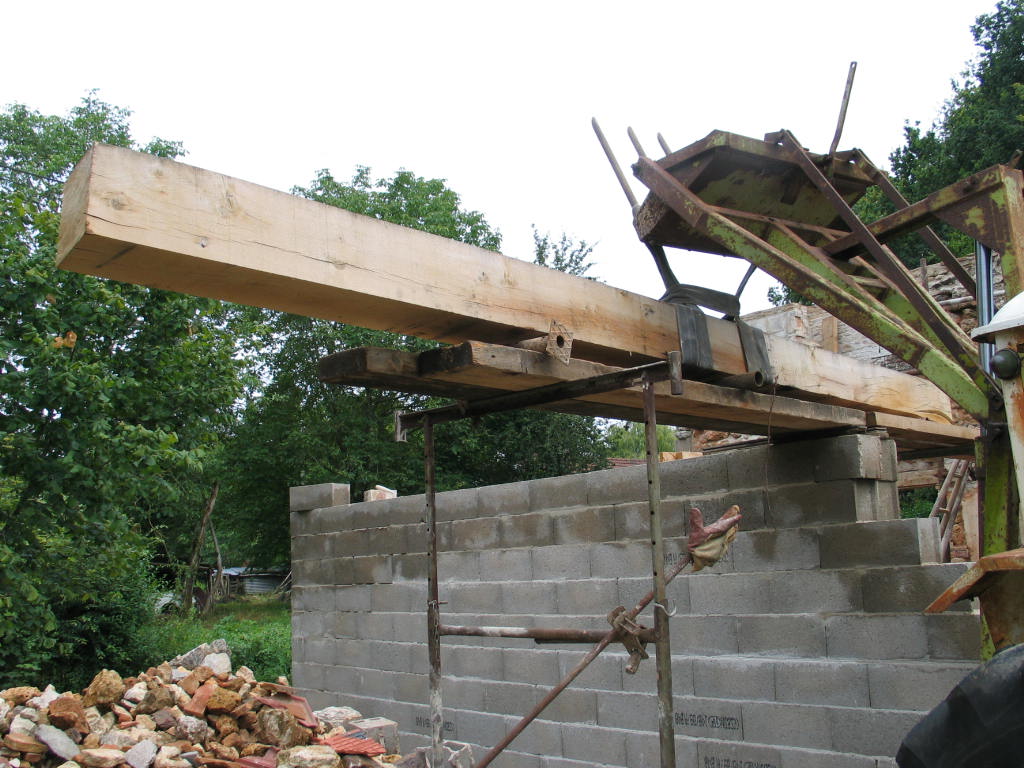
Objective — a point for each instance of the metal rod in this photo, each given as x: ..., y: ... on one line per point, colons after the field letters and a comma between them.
x: 585, y: 662
x: 664, y: 145
x: 433, y: 598
x: 614, y: 164
x: 636, y: 142
x: 842, y: 109
x: 539, y: 634
x: 746, y: 278
x: 662, y: 642
x: 550, y: 393
x: 986, y: 298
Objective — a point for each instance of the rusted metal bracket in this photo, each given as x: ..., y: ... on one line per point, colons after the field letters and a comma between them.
x: 629, y: 634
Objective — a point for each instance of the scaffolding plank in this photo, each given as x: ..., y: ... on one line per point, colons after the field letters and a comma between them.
x: 143, y: 219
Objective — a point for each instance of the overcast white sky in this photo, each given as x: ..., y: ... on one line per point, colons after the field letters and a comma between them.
x: 494, y: 97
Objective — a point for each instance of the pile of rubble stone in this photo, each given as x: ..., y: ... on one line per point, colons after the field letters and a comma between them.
x: 193, y: 712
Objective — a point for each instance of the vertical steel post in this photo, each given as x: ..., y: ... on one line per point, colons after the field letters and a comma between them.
x: 663, y: 659
x: 433, y: 600
x: 986, y: 297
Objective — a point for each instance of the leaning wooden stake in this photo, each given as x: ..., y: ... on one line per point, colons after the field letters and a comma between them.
x: 193, y: 566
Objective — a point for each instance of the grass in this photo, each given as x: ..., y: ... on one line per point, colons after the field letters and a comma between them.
x: 257, y: 629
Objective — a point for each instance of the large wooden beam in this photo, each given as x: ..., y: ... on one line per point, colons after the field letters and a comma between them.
x: 138, y: 218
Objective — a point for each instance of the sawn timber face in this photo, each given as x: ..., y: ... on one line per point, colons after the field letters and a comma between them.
x: 138, y: 218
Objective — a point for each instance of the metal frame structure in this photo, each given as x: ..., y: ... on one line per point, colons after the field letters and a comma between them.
x: 624, y: 625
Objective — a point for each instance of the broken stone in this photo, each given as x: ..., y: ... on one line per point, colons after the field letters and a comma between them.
x: 165, y: 719
x: 191, y: 729
x: 225, y: 725
x: 192, y: 659
x: 22, y: 742
x: 58, y: 742
x: 381, y: 730
x: 360, y: 761
x: 19, y: 695
x: 168, y: 757
x: 42, y: 701
x: 246, y: 674
x: 102, y: 757
x: 222, y: 752
x: 335, y: 717
x: 136, y: 693
x: 280, y: 728
x: 165, y: 673
x: 222, y: 700
x: 141, y: 755
x: 22, y: 725
x: 106, y: 688
x: 69, y: 764
x: 316, y: 756
x: 202, y: 673
x: 220, y: 663
x: 154, y: 700
x: 67, y: 712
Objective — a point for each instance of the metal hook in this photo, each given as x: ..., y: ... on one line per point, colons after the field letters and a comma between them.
x: 669, y: 614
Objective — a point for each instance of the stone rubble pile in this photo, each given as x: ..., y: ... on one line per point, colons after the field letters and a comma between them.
x: 194, y: 712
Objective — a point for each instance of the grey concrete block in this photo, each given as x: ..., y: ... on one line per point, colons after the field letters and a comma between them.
x: 835, y: 501
x: 479, y: 533
x: 785, y: 635
x: 485, y: 729
x: 814, y: 591
x: 712, y: 593
x: 398, y: 597
x: 909, y: 588
x: 505, y: 565
x: 527, y: 597
x: 594, y: 746
x: 509, y: 698
x: 603, y: 674
x: 618, y: 559
x: 473, y: 661
x: 528, y: 665
x: 708, y: 718
x: 914, y: 686
x: 793, y: 725
x: 630, y: 711
x: 694, y: 477
x: 795, y: 757
x: 929, y: 540
x: 616, y: 486
x: 733, y: 677
x: 319, y: 651
x: 412, y: 567
x: 590, y: 596
x: 458, y: 505
x: 535, y: 529
x: 835, y: 683
x: 712, y: 753
x: 558, y: 492
x: 954, y: 636
x: 581, y: 526
x: 856, y: 456
x: 302, y: 498
x: 372, y: 569
x: 705, y: 634
x: 572, y: 706
x: 506, y: 499
x: 353, y: 598
x: 870, y: 731
x: 858, y: 545
x: 471, y: 597
x: 568, y: 561
x: 643, y: 750
x: 458, y: 566
x: 770, y: 550
x: 632, y: 589
x: 411, y: 627
x: 861, y: 636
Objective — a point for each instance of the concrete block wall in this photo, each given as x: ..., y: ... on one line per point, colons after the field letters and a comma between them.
x: 804, y: 647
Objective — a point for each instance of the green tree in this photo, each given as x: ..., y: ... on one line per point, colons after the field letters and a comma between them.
x: 111, y: 397
x: 564, y: 254
x: 299, y: 431
x: 628, y: 439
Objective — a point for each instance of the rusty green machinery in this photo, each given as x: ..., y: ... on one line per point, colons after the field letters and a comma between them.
x: 790, y: 213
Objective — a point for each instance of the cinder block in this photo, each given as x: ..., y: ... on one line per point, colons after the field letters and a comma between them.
x: 753, y: 503
x: 928, y: 539
x: 860, y: 636
x: 603, y: 674
x: 302, y: 498
x: 542, y: 738
x: 616, y: 486
x: 870, y: 731
x: 792, y: 725
x: 617, y: 559
x: 530, y: 665
x: 487, y: 730
x: 954, y: 636
x: 694, y: 477
x: 527, y: 597
x: 411, y: 567
x: 632, y: 589
x: 594, y: 745
x: 381, y: 730
x: 909, y: 588
x: 705, y: 634
x: 588, y: 596
x: 458, y: 566
x: 458, y: 505
x: 372, y: 569
x: 472, y: 597
x: 506, y: 499
x: 558, y: 492
x: 835, y: 501
x: 914, y: 686
x: 785, y: 635
x: 813, y: 591
x: 712, y: 593
x: 835, y: 683
x: 698, y: 717
x: 568, y: 561
x: 573, y: 705
x: 534, y: 529
x: 473, y: 661
x: 397, y: 597
x: 732, y: 677
x: 319, y: 651
x: 411, y: 687
x: 509, y: 698
x: 712, y: 753
x: 859, y: 545
x: 581, y: 526
x: 505, y: 565
x: 855, y: 456
x: 475, y: 534
x: 411, y: 627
